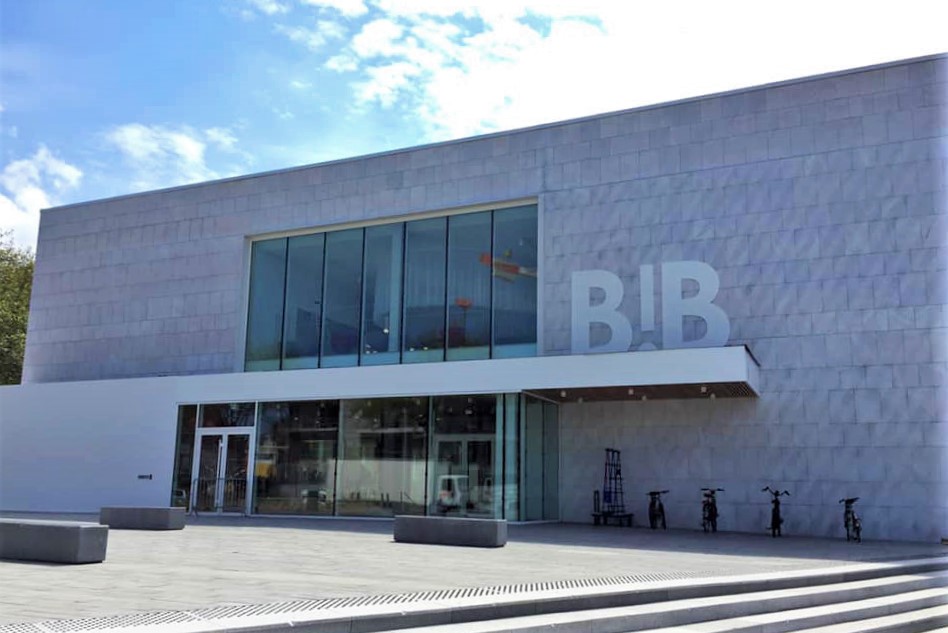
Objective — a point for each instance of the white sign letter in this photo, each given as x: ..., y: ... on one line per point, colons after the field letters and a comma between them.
x: 584, y: 314
x: 675, y: 307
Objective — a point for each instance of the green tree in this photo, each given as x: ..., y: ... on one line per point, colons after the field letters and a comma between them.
x: 16, y: 281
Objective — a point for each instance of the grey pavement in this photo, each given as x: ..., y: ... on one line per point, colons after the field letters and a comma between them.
x: 228, y: 561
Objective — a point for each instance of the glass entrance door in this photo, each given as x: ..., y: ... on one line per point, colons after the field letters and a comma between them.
x: 223, y: 475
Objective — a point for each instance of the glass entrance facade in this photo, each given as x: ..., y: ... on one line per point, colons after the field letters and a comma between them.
x: 484, y: 455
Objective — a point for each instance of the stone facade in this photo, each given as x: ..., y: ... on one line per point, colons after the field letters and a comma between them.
x: 820, y: 202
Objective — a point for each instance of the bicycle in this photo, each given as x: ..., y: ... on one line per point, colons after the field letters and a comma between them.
x: 851, y: 520
x: 775, y: 519
x: 656, y: 509
x: 709, y: 509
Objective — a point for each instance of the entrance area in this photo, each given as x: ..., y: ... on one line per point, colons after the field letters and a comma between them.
x: 485, y: 455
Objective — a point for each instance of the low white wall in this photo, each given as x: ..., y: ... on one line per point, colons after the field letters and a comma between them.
x: 74, y: 447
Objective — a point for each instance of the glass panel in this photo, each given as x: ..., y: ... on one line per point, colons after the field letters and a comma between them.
x: 464, y: 454
x: 341, y: 298
x: 295, y: 469
x: 469, y: 266
x: 551, y: 462
x: 382, y: 472
x: 232, y: 414
x: 265, y: 312
x: 514, y: 267
x: 382, y: 295
x: 426, y: 250
x: 205, y: 489
x: 304, y: 296
x: 234, y: 485
x: 511, y: 457
x: 184, y: 456
x: 531, y: 488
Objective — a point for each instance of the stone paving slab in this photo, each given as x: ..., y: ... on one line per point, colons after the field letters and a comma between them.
x: 228, y: 561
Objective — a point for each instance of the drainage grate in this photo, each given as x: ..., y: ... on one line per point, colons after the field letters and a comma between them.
x: 157, y: 619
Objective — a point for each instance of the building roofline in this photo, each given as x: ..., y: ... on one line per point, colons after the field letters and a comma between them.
x: 489, y: 135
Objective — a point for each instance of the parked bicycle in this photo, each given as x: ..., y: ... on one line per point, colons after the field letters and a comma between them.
x: 656, y: 509
x: 775, y: 519
x: 851, y: 520
x: 709, y: 509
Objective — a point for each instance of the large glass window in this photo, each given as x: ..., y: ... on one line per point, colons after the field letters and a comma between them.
x: 469, y: 290
x: 304, y: 295
x: 265, y: 314
x: 382, y: 472
x: 461, y: 287
x: 514, y: 267
x: 295, y: 469
x: 342, y: 298
x: 464, y: 457
x: 382, y: 295
x: 425, y: 253
x: 184, y: 454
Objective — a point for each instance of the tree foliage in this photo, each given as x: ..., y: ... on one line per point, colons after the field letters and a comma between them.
x: 16, y: 281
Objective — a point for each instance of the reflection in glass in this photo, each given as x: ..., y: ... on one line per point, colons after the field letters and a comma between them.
x: 265, y: 314
x: 342, y: 298
x: 382, y: 471
x: 464, y: 464
x: 232, y: 414
x: 531, y: 489
x: 514, y: 267
x: 551, y: 463
x: 512, y: 457
x: 234, y: 485
x: 382, y: 294
x: 469, y: 286
x: 425, y: 252
x: 304, y: 295
x: 184, y: 456
x: 205, y: 488
x: 295, y: 465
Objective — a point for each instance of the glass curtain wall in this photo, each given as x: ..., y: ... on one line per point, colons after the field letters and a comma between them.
x: 461, y: 287
x: 469, y: 286
x: 465, y: 462
x: 514, y: 268
x: 384, y: 453
x: 302, y: 313
x: 425, y: 256
x: 342, y: 297
x: 487, y: 455
x: 295, y: 464
x: 265, y: 315
x: 382, y: 293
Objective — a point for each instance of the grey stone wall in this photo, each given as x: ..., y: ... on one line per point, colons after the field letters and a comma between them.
x: 821, y: 203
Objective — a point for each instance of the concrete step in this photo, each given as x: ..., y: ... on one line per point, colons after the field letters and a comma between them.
x: 815, y: 605
x: 895, y: 611
x: 931, y: 620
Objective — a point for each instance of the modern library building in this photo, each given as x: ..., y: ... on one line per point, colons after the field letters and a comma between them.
x: 734, y: 291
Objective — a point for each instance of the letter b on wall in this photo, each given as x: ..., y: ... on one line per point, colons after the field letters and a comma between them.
x: 584, y: 314
x: 675, y: 306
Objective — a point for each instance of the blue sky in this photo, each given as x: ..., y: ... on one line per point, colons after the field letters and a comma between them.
x: 105, y: 97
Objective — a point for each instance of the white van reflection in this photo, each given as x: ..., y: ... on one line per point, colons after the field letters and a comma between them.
x: 452, y: 493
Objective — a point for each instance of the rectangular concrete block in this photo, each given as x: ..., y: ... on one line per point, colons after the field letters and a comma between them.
x: 142, y: 518
x: 53, y: 541
x: 438, y: 530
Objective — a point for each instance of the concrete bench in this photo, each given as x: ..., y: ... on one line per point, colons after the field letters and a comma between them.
x: 142, y: 518
x: 53, y: 541
x: 451, y: 531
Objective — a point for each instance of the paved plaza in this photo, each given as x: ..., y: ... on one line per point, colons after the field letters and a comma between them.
x: 229, y: 561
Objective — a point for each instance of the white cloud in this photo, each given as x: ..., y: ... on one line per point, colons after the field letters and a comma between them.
x: 348, y: 8
x: 467, y: 67
x: 269, y: 7
x: 29, y: 185
x: 160, y: 156
x: 313, y: 38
